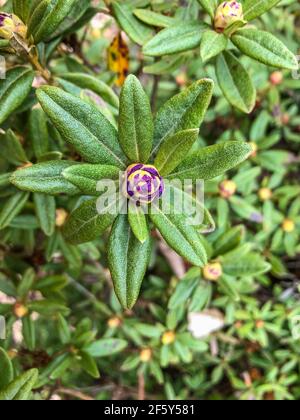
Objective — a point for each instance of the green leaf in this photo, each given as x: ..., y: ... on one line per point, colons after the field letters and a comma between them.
x: 198, y: 215
x: 28, y: 331
x: 14, y: 89
x: 45, y: 207
x: 63, y: 329
x: 178, y: 38
x: 64, y: 363
x: 128, y: 261
x: 46, y: 18
x: 26, y: 283
x: 229, y: 287
x: 12, y: 207
x: 133, y: 27
x: 201, y: 297
x: 245, y: 210
x: 86, y: 224
x: 82, y: 125
x: 249, y: 265
x: 38, y: 132
x: 5, y: 180
x: 6, y: 369
x: 183, y: 111
x: 21, y: 8
x: 20, y: 388
x: 212, y: 161
x: 235, y: 82
x: 106, y: 347
x: 212, y: 44
x: 45, y: 178
x: 135, y: 121
x: 265, y: 48
x: 87, y: 81
x: 12, y: 150
x: 25, y: 222
x: 255, y: 8
x: 7, y: 287
x: 174, y: 149
x: 48, y: 307
x: 4, y: 44
x: 80, y: 11
x: 238, y: 24
x: 183, y: 291
x: 89, y: 365
x: 209, y: 6
x: 180, y: 236
x: 51, y: 284
x: 131, y: 363
x: 157, y: 372
x: 229, y: 240
x: 138, y: 222
x: 149, y: 331
x: 154, y: 19
x: 166, y: 65
x: 86, y: 176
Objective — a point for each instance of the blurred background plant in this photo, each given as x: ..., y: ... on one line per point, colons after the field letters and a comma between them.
x: 228, y: 331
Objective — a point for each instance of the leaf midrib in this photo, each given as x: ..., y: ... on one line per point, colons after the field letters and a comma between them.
x: 93, y: 136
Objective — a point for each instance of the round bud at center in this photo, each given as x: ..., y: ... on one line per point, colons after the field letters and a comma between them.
x: 143, y: 183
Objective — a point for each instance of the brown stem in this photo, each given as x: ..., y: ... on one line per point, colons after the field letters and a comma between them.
x: 141, y: 388
x: 33, y: 59
x: 73, y: 393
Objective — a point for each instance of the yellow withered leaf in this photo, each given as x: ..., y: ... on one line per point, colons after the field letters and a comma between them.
x: 118, y: 59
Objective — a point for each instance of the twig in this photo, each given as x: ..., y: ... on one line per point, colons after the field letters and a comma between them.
x: 73, y: 393
x: 33, y: 59
x: 175, y: 261
x: 81, y: 289
x: 141, y: 387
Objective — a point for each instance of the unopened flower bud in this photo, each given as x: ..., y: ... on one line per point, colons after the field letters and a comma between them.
x: 288, y: 226
x: 114, y: 322
x: 227, y: 13
x: 276, y: 78
x: 168, y: 338
x: 181, y: 79
x: 227, y: 189
x: 10, y: 24
x: 212, y: 271
x: 12, y: 353
x: 260, y: 324
x: 265, y: 194
x: 145, y: 355
x: 20, y: 310
x: 143, y: 184
x: 254, y: 149
x: 61, y: 216
x: 285, y: 119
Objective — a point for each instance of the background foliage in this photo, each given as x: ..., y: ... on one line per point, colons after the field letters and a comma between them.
x: 230, y: 331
